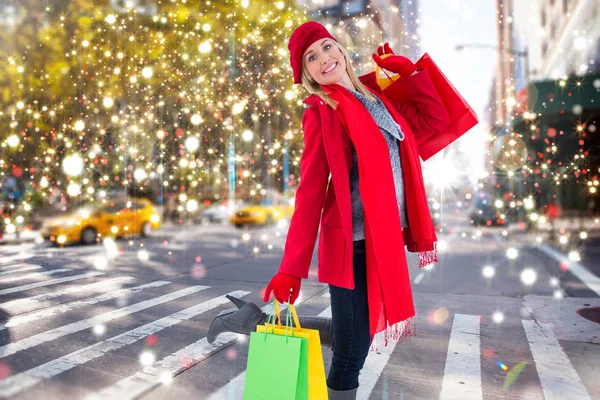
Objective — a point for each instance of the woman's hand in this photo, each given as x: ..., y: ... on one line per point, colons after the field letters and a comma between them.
x: 392, y: 62
x: 283, y: 285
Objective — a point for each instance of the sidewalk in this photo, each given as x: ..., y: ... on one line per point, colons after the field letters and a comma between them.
x: 575, y: 252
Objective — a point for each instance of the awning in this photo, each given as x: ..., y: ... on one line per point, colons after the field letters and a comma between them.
x: 562, y: 95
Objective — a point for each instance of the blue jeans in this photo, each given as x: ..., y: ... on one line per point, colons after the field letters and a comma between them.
x: 350, y: 317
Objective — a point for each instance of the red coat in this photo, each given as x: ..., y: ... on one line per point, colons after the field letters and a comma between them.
x: 326, y: 202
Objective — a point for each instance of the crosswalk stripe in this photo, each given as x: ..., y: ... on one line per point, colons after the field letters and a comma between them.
x: 7, y: 259
x: 328, y: 294
x: 19, y: 306
x: 234, y: 389
x: 462, y: 374
x: 419, y: 278
x: 16, y: 248
x: 22, y: 269
x: 48, y: 283
x: 24, y: 380
x: 325, y: 313
x: 165, y: 369
x: 558, y: 377
x: 61, y: 331
x: 374, y: 365
x: 34, y: 275
x: 577, y: 269
x: 13, y: 266
x: 63, y: 308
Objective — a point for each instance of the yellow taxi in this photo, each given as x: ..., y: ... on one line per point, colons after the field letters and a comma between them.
x: 261, y: 214
x: 114, y: 218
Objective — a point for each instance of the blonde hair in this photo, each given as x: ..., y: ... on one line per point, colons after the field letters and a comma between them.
x: 314, y: 88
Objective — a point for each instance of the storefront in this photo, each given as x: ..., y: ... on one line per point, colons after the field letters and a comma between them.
x: 560, y: 130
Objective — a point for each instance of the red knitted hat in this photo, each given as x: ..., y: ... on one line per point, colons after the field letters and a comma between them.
x: 301, y: 39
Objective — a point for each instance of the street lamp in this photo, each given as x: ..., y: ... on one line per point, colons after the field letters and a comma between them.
x: 519, y: 53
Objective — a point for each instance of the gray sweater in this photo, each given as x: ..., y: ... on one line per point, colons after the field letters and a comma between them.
x: 392, y: 133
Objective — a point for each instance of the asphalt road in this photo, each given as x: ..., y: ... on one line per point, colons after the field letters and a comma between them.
x: 128, y: 319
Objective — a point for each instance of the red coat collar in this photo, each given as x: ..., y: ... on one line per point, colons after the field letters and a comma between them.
x: 312, y: 100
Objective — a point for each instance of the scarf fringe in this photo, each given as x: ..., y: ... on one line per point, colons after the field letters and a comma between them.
x: 427, y: 257
x: 397, y: 332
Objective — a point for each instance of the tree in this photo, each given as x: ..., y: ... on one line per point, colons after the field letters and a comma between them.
x: 126, y: 84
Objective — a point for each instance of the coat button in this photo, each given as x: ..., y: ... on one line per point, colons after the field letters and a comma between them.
x: 321, y: 101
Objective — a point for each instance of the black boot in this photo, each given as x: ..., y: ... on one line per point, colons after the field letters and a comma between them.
x: 248, y: 315
x: 239, y: 320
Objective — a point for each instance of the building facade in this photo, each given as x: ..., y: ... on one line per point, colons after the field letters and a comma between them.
x: 562, y: 36
x: 554, y: 109
x: 361, y: 25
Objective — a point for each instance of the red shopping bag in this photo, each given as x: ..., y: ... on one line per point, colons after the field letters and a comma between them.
x: 462, y: 116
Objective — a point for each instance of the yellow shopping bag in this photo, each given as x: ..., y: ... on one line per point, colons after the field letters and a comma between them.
x: 317, y: 385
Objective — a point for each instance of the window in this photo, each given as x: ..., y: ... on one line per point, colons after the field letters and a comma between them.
x: 565, y: 6
x: 544, y: 48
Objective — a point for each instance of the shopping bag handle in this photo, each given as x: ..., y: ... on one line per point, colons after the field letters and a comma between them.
x: 271, y: 316
x: 288, y: 320
x: 292, y: 310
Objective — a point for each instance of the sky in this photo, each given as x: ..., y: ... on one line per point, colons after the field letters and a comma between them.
x: 446, y: 24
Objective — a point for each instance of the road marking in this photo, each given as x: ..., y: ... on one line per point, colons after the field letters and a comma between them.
x: 19, y: 306
x: 7, y: 259
x: 326, y: 313
x: 24, y: 380
x: 14, y: 248
x: 48, y: 283
x: 63, y: 308
x: 462, y: 374
x: 35, y: 275
x: 558, y: 377
x: 10, y: 267
x: 581, y: 272
x: 135, y: 385
x: 374, y: 365
x: 78, y: 326
x: 234, y: 389
x: 22, y: 269
x: 419, y: 278
x: 328, y: 294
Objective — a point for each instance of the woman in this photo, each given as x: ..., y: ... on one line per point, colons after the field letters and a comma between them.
x: 373, y: 205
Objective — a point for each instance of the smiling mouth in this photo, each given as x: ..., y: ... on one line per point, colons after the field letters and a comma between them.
x: 333, y: 66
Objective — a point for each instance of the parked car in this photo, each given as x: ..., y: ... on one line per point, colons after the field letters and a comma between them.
x: 117, y: 218
x: 488, y: 215
x: 262, y: 214
x: 218, y: 212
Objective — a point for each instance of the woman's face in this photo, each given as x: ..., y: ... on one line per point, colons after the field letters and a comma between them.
x: 325, y: 62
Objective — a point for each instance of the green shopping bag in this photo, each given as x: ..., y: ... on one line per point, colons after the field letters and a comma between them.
x: 277, y: 366
x: 317, y: 386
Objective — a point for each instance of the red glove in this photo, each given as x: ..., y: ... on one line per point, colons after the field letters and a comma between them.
x: 282, y: 285
x: 396, y: 64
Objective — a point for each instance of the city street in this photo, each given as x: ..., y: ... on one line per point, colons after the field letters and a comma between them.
x: 154, y: 153
x: 128, y: 319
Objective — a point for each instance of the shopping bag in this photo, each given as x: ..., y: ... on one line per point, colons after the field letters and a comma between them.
x: 317, y: 384
x: 384, y: 77
x: 277, y: 367
x: 462, y: 116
